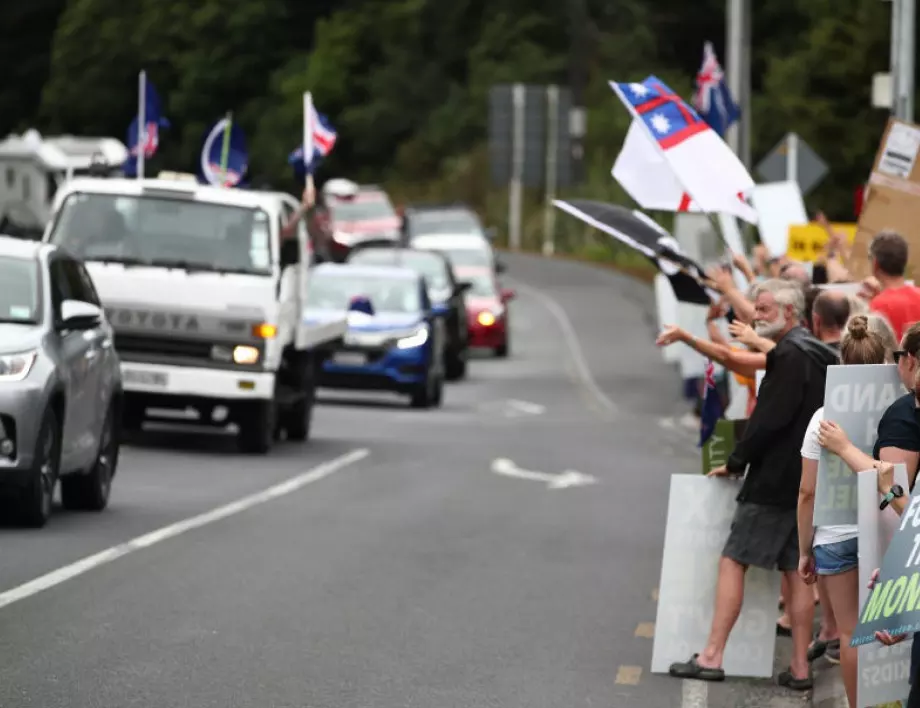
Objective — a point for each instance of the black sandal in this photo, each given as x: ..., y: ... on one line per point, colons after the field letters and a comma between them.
x: 787, y: 680
x: 819, y: 648
x: 783, y: 631
x: 692, y: 670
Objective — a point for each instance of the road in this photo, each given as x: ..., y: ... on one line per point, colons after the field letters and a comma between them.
x: 387, y: 565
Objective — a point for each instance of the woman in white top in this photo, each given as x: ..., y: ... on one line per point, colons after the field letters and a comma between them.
x: 829, y: 554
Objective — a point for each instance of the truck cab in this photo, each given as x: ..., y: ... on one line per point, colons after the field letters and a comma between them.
x: 206, y: 300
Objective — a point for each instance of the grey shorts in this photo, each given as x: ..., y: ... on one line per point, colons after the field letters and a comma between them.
x: 763, y: 536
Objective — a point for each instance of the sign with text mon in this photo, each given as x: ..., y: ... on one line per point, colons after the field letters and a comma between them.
x: 893, y: 604
x: 883, y: 671
x: 718, y: 448
x: 855, y: 397
x: 700, y: 512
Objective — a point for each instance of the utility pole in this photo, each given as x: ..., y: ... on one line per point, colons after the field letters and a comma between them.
x: 903, y: 30
x: 578, y: 79
x: 738, y: 73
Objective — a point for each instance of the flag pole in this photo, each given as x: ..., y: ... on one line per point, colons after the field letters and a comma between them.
x: 308, y: 148
x: 225, y: 150
x: 141, y: 123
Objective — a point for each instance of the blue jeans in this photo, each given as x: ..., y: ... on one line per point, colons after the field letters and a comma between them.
x: 837, y: 558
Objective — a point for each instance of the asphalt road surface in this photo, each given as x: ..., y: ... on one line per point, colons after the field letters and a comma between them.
x: 391, y: 562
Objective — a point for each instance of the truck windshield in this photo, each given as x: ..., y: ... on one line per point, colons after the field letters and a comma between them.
x: 148, y: 230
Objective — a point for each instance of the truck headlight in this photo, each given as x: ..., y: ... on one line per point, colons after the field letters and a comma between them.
x: 15, y: 367
x: 242, y: 354
x: 245, y: 355
x: 416, y: 339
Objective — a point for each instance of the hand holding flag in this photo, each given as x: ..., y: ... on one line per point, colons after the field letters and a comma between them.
x: 318, y: 141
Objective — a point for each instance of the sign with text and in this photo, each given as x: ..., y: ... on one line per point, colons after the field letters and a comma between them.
x: 893, y: 605
x: 855, y: 397
x: 700, y: 512
x: 883, y: 671
x: 718, y: 448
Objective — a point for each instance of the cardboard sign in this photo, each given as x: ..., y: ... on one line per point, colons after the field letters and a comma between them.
x: 883, y: 670
x: 808, y: 241
x: 718, y: 448
x: 893, y: 604
x: 855, y: 397
x: 700, y: 512
x: 892, y: 200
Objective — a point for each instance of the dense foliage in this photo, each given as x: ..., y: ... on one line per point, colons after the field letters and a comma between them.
x: 406, y: 81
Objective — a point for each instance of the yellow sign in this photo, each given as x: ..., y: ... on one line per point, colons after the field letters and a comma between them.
x: 807, y: 241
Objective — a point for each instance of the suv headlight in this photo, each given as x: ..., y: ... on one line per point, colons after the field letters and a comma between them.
x: 15, y: 367
x: 416, y: 339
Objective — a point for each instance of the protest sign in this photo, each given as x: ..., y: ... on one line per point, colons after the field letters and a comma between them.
x: 855, y: 397
x: 718, y: 448
x: 700, y: 511
x: 893, y: 605
x: 882, y: 670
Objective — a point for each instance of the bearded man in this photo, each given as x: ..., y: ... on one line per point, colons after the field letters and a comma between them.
x: 763, y: 532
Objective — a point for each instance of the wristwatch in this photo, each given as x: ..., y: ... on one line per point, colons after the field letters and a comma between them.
x: 896, y: 492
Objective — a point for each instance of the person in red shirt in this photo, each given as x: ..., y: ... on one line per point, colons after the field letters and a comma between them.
x: 897, y: 301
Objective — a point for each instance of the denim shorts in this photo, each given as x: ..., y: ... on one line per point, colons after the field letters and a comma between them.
x: 836, y: 558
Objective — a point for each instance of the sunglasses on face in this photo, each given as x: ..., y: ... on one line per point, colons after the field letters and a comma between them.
x: 898, y: 353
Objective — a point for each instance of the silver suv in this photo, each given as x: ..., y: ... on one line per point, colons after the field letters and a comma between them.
x: 60, y: 384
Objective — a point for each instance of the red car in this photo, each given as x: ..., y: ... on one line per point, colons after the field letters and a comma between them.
x: 365, y: 215
x: 487, y: 310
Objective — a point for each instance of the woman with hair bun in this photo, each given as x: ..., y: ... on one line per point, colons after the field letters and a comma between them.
x: 829, y: 554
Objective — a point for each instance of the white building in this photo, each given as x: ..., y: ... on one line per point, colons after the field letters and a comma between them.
x: 32, y: 168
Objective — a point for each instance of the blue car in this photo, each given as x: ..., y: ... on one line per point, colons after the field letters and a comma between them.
x: 395, y: 338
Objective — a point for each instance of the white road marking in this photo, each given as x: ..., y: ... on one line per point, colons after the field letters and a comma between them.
x: 527, y: 407
x: 582, y: 372
x: 569, y: 478
x: 694, y: 694
x: 68, y: 572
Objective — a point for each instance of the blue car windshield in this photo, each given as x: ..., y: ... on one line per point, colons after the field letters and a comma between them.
x: 386, y: 293
x: 19, y: 296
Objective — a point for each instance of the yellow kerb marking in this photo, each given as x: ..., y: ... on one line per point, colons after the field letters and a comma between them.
x: 629, y: 675
x: 646, y: 630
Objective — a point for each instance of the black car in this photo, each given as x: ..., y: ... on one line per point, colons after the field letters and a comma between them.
x: 443, y: 288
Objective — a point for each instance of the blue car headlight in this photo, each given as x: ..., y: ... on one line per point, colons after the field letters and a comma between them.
x: 416, y: 339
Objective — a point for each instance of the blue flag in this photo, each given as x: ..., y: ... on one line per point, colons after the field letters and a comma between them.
x: 150, y: 139
x: 712, y: 98
x: 224, y: 158
x: 712, y: 405
x: 324, y: 138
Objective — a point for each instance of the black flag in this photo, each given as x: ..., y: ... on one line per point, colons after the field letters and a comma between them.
x: 641, y: 233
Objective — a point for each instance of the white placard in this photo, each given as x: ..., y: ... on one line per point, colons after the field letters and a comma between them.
x: 666, y: 307
x: 779, y: 205
x: 693, y: 319
x: 700, y: 512
x: 883, y: 670
x: 900, y: 151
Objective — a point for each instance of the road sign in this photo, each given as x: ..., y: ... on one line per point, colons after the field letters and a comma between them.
x: 535, y: 125
x: 811, y: 169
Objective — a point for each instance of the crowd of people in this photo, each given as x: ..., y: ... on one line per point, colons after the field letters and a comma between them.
x: 792, y: 323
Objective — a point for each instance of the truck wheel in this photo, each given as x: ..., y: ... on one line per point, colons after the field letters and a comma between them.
x: 455, y: 365
x: 300, y: 417
x: 257, y: 428
x: 37, y: 497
